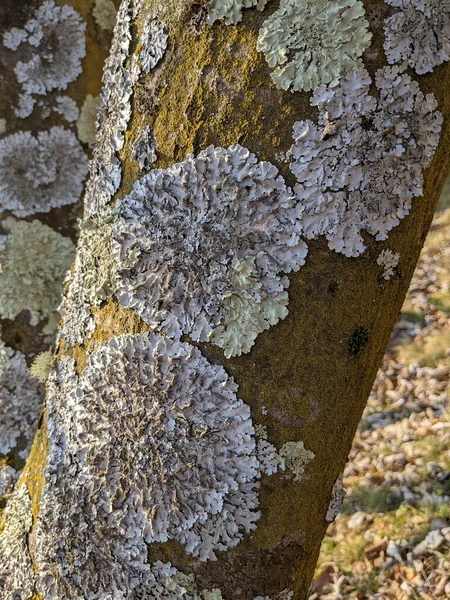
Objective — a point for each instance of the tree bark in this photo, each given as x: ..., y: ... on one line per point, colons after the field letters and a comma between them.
x: 306, y: 378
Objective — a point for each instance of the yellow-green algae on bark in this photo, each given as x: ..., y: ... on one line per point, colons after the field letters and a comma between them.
x: 305, y: 379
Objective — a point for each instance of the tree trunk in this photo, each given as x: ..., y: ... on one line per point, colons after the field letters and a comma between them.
x: 154, y: 454
x: 52, y: 107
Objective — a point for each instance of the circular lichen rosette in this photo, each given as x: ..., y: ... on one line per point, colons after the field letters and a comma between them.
x: 312, y: 42
x: 40, y: 172
x: 360, y: 168
x: 203, y: 246
x: 150, y: 443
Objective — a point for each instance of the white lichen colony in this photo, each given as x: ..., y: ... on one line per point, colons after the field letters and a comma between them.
x: 161, y: 436
x: 153, y: 41
x: 231, y: 10
x: 40, y: 172
x: 361, y: 166
x: 229, y: 229
x: 16, y: 568
x: 312, y: 42
x: 21, y: 399
x: 389, y: 261
x: 50, y: 49
x: 418, y: 34
x: 337, y: 498
x: 34, y: 260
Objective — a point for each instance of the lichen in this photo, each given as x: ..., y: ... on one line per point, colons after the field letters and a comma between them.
x: 105, y: 14
x: 21, y: 399
x: 229, y: 228
x: 153, y: 41
x: 161, y: 436
x: 42, y: 365
x: 91, y: 279
x: 389, y: 261
x: 231, y: 10
x: 67, y: 108
x: 312, y: 42
x: 33, y: 260
x: 144, y: 152
x: 294, y: 456
x: 50, y: 49
x: 40, y: 172
x: 362, y: 166
x: 337, y: 497
x: 16, y: 569
x: 114, y: 111
x: 418, y: 34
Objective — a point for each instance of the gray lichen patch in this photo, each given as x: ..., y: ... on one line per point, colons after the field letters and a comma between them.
x: 389, y: 261
x: 360, y: 168
x: 21, y: 399
x: 418, y: 34
x: 91, y: 279
x: 16, y: 569
x: 231, y: 10
x: 312, y: 42
x: 150, y: 443
x: 337, y: 498
x: 49, y: 49
x: 230, y: 228
x: 40, y: 172
x: 34, y: 260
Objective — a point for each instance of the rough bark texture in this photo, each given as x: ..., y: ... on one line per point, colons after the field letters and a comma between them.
x: 308, y: 377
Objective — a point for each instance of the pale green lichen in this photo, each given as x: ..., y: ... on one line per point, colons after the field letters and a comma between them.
x: 42, y: 365
x: 186, y: 584
x: 294, y: 456
x: 86, y: 120
x: 4, y: 359
x: 243, y: 317
x: 231, y: 10
x: 312, y: 42
x: 34, y: 260
x: 105, y: 14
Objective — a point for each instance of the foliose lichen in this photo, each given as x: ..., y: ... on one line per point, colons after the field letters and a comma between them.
x: 150, y: 443
x: 86, y: 120
x: 337, y: 497
x: 92, y: 278
x: 294, y: 456
x: 389, y: 261
x: 105, y: 14
x: 231, y: 10
x: 49, y: 49
x: 34, y: 260
x: 418, y: 34
x: 153, y: 41
x: 362, y: 166
x: 229, y: 227
x: 16, y: 569
x: 21, y: 399
x: 40, y: 172
x: 313, y: 42
x: 114, y: 111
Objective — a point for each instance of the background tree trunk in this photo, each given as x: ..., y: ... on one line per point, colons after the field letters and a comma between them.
x: 307, y: 378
